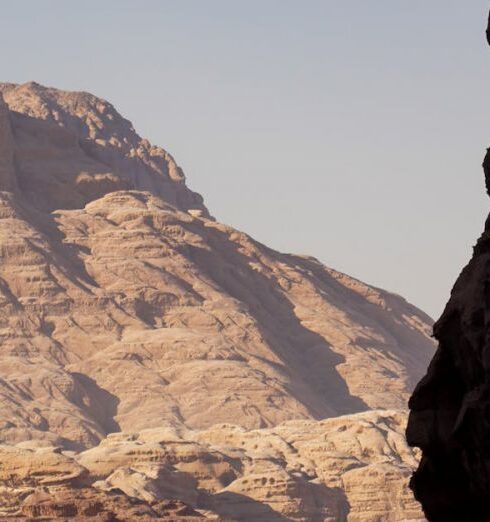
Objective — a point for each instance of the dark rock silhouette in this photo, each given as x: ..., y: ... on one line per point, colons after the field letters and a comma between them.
x: 450, y: 408
x: 488, y: 30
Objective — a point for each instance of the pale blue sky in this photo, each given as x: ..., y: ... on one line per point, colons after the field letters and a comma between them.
x: 351, y: 130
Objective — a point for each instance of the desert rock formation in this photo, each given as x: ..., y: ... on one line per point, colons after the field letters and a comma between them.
x: 72, y: 148
x: 450, y: 408
x: 353, y: 468
x: 126, y: 307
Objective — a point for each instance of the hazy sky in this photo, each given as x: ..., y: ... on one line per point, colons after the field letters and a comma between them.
x: 351, y: 130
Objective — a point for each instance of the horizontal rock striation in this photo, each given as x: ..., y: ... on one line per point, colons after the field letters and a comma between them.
x: 353, y: 468
x: 128, y: 309
x: 125, y: 307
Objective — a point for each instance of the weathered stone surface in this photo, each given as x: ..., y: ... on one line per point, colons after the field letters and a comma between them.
x: 131, y: 320
x: 37, y: 467
x: 352, y: 468
x: 128, y: 309
x: 72, y: 148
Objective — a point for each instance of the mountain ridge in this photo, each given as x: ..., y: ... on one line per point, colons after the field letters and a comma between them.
x: 125, y: 306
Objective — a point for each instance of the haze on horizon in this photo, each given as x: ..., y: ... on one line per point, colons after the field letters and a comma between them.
x: 346, y: 131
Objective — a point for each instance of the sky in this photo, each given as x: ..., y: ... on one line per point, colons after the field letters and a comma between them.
x: 349, y: 130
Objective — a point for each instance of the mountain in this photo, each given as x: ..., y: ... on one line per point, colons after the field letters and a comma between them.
x: 126, y: 307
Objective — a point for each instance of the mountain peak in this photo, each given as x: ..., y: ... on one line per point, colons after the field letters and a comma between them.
x: 73, y: 147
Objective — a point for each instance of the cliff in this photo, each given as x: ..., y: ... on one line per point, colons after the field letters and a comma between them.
x: 450, y: 408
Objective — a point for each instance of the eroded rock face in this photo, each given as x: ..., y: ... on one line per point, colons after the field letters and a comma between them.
x: 353, y: 468
x: 72, y: 148
x: 450, y: 408
x: 128, y: 309
x: 449, y: 417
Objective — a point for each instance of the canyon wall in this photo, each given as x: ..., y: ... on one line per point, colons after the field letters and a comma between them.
x: 450, y: 408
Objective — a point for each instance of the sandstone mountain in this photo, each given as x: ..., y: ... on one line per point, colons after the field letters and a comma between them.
x: 126, y: 307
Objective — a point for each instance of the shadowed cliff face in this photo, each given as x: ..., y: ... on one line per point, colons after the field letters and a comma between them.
x: 7, y: 174
x: 450, y: 408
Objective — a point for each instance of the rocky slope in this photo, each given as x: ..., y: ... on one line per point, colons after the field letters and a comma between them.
x: 450, y: 408
x: 72, y: 148
x: 351, y: 468
x: 124, y: 306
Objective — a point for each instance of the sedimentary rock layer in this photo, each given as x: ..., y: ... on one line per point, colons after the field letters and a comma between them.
x: 352, y: 469
x: 129, y: 309
x: 133, y: 324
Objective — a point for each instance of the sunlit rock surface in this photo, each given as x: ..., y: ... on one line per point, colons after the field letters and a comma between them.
x: 352, y: 468
x: 125, y: 306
